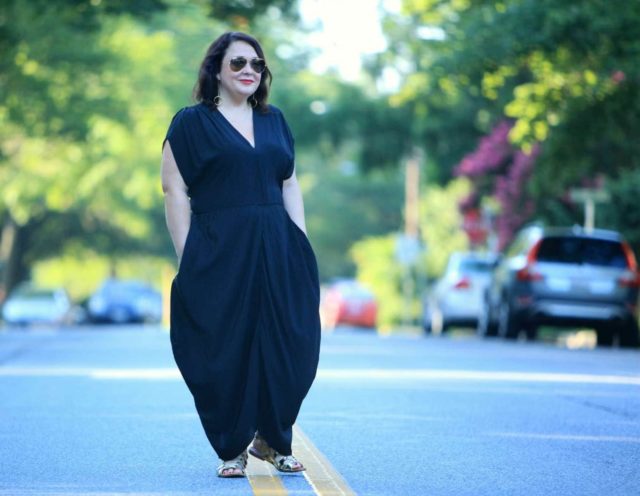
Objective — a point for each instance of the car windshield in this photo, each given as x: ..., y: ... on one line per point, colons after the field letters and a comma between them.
x: 476, y: 265
x: 31, y: 292
x: 576, y: 250
x: 351, y: 290
x: 119, y: 287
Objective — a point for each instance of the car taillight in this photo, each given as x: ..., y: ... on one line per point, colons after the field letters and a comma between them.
x: 632, y: 279
x: 527, y: 273
x: 631, y: 258
x: 463, y: 283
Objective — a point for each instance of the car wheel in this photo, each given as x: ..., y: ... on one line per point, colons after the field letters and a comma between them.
x: 604, y: 336
x: 531, y: 332
x: 119, y: 315
x: 426, y: 322
x: 629, y: 334
x: 508, y: 325
x: 486, y: 327
x: 436, y: 322
x: 426, y: 325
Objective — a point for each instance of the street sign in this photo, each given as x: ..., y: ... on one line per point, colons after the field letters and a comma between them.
x: 408, y: 249
x: 583, y: 195
x: 589, y: 197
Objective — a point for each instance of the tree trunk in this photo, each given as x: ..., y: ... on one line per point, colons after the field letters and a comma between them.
x: 13, y: 269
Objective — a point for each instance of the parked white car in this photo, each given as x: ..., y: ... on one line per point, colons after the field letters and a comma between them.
x: 456, y: 299
x: 28, y: 304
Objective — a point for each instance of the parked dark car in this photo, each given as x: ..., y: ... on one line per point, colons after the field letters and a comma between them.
x: 125, y: 301
x: 457, y: 297
x: 564, y: 277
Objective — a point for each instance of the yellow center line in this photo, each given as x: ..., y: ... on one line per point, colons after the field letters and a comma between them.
x: 324, y: 479
x: 264, y: 478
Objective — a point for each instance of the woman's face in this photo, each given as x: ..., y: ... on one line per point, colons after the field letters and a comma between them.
x: 243, y: 83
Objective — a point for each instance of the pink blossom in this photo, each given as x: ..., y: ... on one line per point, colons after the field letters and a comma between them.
x: 491, y: 153
x: 495, y: 157
x: 618, y: 77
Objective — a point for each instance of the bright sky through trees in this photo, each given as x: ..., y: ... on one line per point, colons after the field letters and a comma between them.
x: 347, y: 30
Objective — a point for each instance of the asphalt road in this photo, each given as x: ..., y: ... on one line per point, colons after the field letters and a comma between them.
x: 102, y: 411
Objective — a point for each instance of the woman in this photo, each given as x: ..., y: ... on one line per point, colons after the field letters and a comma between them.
x: 245, y: 329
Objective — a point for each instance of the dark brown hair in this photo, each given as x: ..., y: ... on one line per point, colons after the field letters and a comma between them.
x: 206, y: 88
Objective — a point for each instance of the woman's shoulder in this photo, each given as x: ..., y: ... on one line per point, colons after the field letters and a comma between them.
x: 277, y: 115
x: 188, y: 112
x: 274, y: 111
x: 188, y: 118
x: 281, y: 122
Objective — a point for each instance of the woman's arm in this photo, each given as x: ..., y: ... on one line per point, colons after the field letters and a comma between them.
x: 177, y: 207
x: 293, y: 201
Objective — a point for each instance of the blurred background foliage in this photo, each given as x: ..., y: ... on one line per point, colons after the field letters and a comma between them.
x: 512, y: 102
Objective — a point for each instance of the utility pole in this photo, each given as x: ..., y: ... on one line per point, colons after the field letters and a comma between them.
x: 412, y: 196
x: 408, y: 243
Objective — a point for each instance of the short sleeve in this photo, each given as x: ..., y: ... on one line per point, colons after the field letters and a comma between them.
x: 291, y: 142
x: 179, y: 138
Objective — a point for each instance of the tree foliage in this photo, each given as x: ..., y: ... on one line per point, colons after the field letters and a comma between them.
x: 564, y: 73
x: 240, y: 13
x: 500, y: 170
x: 88, y: 91
x: 343, y: 207
x: 527, y: 98
x: 378, y: 266
x: 58, y: 102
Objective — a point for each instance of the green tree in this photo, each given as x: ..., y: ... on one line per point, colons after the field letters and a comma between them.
x: 51, y: 64
x: 243, y: 13
x: 441, y: 234
x: 89, y: 88
x: 343, y: 207
x: 566, y: 73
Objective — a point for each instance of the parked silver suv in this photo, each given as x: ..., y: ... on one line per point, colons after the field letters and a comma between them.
x: 564, y: 277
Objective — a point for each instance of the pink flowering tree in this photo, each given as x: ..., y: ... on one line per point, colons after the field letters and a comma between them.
x: 497, y: 168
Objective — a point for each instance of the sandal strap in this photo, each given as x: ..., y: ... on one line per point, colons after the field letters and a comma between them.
x: 288, y: 462
x: 239, y: 462
x: 284, y: 463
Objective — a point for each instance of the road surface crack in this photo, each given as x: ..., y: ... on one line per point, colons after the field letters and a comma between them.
x: 620, y: 412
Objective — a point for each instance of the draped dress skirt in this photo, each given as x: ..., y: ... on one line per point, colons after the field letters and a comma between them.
x: 245, y: 329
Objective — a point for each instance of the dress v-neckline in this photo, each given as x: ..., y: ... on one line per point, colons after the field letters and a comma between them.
x: 237, y: 131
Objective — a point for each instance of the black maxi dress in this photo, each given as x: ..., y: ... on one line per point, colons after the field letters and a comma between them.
x: 245, y: 329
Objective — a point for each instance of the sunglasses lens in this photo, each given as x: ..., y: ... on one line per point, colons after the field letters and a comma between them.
x: 258, y: 65
x: 237, y: 63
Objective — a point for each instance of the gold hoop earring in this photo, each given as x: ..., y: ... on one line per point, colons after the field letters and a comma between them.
x: 217, y: 100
